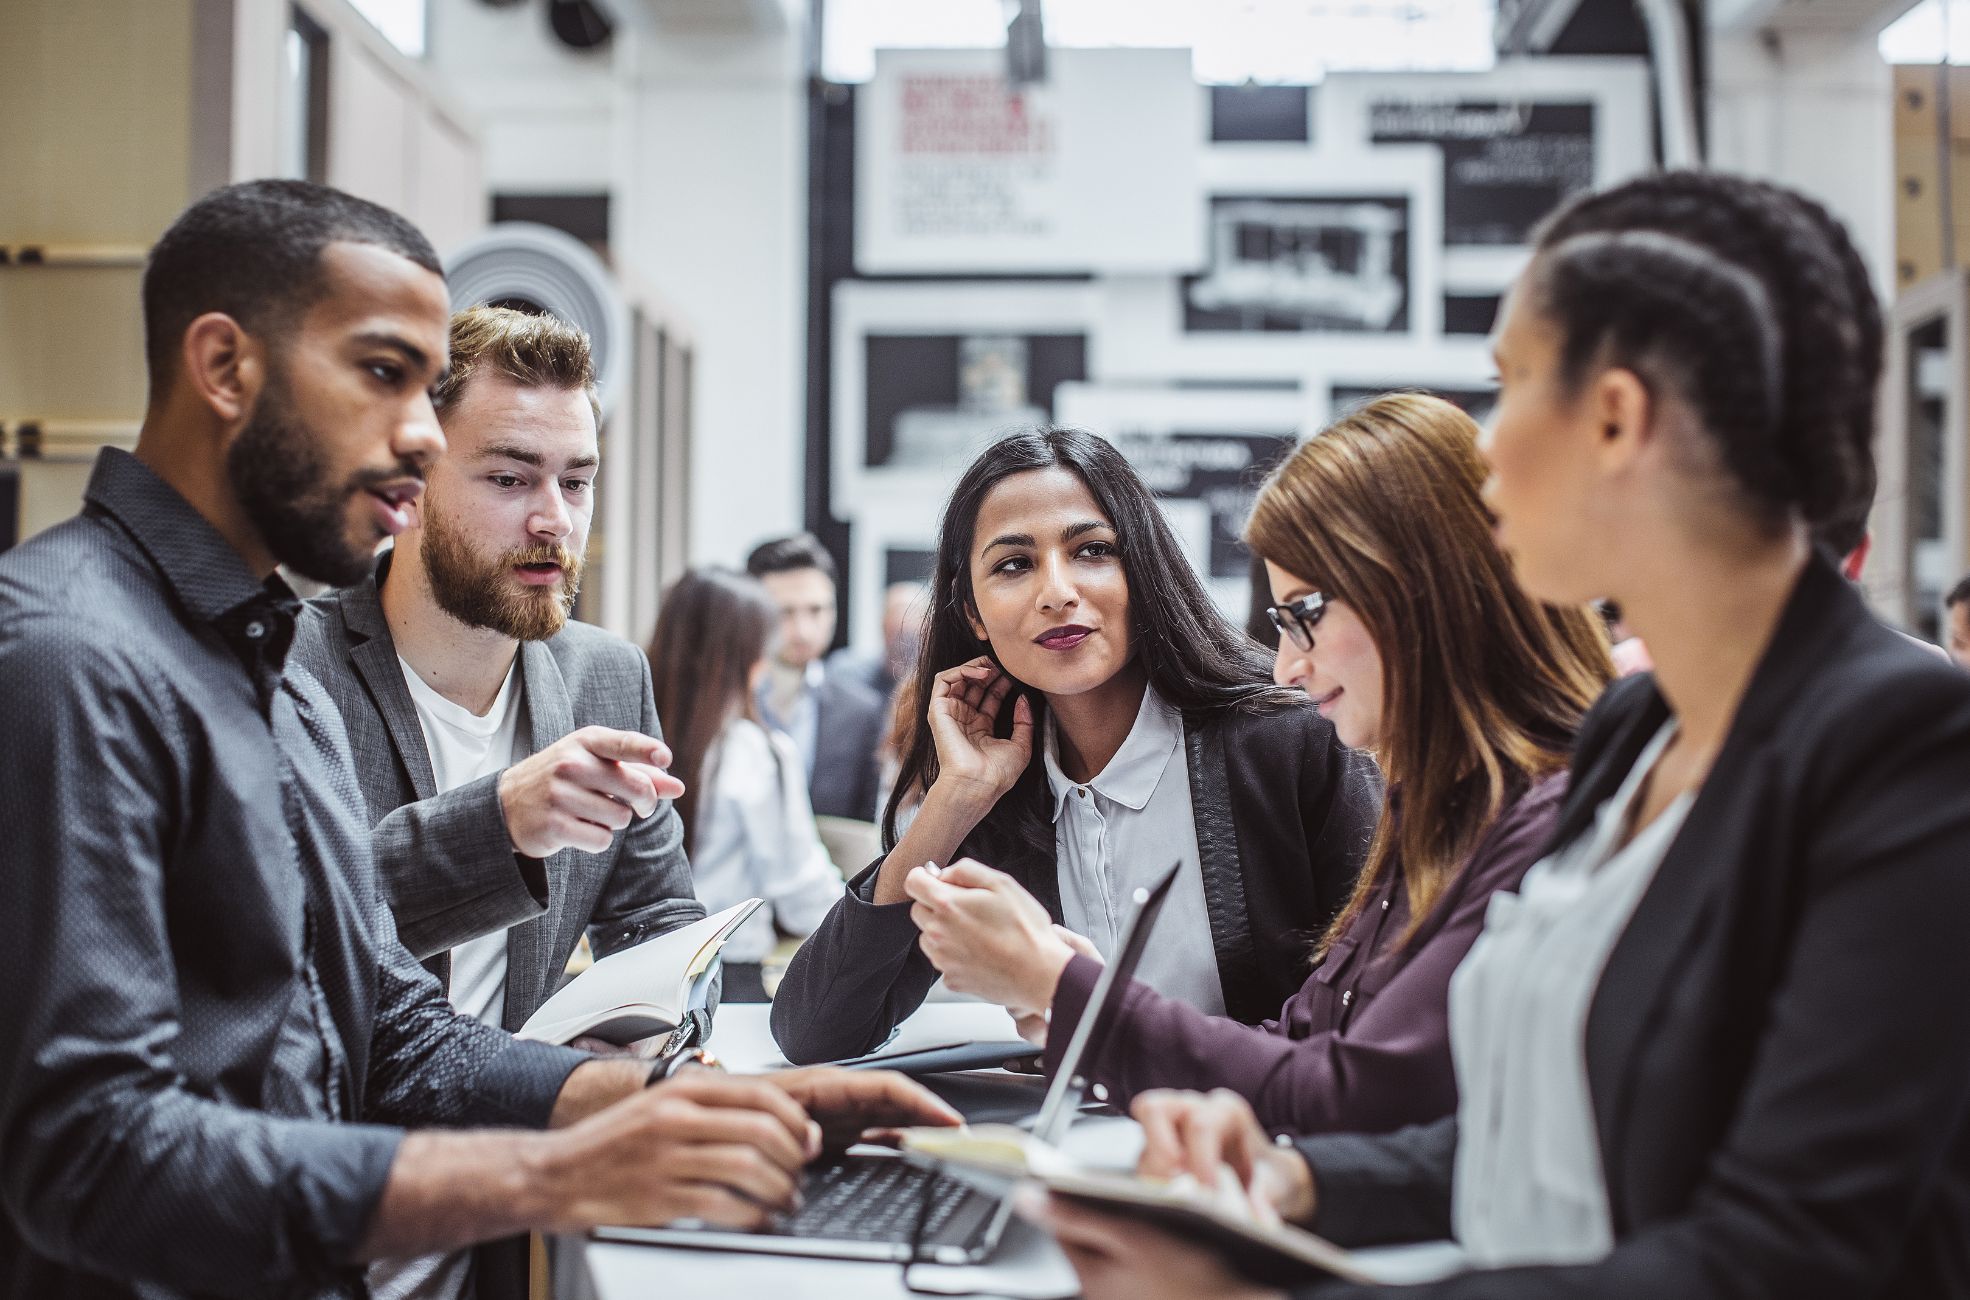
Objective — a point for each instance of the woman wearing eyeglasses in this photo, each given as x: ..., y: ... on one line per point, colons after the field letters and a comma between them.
x: 1090, y: 719
x: 1400, y: 618
x: 1715, y: 1048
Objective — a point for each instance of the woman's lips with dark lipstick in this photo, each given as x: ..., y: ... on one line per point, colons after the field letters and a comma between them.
x: 1063, y: 638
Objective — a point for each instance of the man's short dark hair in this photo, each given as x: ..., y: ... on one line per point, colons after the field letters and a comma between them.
x: 789, y: 555
x: 1959, y: 594
x: 253, y: 251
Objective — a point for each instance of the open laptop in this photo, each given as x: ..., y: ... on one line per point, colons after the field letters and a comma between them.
x: 877, y: 1206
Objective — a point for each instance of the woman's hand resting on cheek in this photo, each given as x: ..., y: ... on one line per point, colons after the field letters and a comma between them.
x: 988, y: 937
x: 973, y: 764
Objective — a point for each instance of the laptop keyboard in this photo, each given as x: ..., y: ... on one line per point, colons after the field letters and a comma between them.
x: 876, y: 1199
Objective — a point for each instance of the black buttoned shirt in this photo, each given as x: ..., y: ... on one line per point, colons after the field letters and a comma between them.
x: 210, y: 1038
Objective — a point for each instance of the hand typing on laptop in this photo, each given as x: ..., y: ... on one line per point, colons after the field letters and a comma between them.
x: 990, y: 938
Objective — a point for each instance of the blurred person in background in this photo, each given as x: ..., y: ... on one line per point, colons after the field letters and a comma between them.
x: 904, y: 605
x: 748, y: 827
x: 1956, y: 607
x: 835, y: 720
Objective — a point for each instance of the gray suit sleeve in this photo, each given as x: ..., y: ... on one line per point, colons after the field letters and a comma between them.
x: 855, y: 979
x: 451, y: 872
x: 649, y: 890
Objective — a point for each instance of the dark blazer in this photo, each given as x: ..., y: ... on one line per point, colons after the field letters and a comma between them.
x: 1778, y: 1052
x: 852, y: 720
x: 446, y: 858
x: 1283, y: 812
x: 1364, y: 1046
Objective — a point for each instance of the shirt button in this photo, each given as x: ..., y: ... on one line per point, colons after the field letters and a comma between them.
x: 255, y: 630
x: 1347, y: 998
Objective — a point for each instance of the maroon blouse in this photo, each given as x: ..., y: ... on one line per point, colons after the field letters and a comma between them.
x: 1364, y: 1046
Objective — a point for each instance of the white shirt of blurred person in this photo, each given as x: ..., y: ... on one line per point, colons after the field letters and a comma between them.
x: 836, y: 721
x: 1956, y: 613
x: 749, y: 829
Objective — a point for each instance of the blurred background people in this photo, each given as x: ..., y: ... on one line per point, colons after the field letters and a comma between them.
x: 834, y: 718
x: 1957, y: 605
x: 748, y: 827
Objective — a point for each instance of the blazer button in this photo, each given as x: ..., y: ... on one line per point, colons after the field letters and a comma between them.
x: 1385, y: 904
x: 1347, y: 998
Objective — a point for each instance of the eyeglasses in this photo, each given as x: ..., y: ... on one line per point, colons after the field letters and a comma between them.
x: 1296, y: 619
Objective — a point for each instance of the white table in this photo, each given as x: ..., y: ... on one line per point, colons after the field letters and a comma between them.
x: 742, y: 1039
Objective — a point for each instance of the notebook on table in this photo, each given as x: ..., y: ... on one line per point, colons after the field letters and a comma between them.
x: 887, y: 1205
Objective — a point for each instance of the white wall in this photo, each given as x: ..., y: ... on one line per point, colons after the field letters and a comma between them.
x: 713, y: 212
x: 1813, y: 111
x: 548, y: 113
x: 700, y: 139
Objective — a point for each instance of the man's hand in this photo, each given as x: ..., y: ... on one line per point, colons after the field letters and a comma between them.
x: 582, y: 789
x: 1200, y: 1134
x: 987, y: 936
x: 703, y: 1145
x: 851, y: 1103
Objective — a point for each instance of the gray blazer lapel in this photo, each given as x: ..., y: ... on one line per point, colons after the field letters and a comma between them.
x: 375, y: 657
x: 530, y: 946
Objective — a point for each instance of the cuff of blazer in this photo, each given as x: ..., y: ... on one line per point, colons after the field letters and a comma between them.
x: 1371, y: 1190
x: 1070, y: 1003
x: 882, y: 925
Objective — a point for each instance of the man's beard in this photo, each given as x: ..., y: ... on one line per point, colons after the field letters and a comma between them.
x: 278, y: 471
x: 484, y: 593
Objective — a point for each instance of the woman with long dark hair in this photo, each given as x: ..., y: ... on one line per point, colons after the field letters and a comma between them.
x: 1091, y: 718
x: 1715, y: 1046
x: 748, y: 828
x: 1400, y: 618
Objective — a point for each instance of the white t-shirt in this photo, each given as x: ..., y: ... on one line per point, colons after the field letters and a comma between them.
x: 464, y: 747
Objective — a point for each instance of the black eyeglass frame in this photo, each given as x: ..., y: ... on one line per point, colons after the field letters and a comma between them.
x: 1296, y: 619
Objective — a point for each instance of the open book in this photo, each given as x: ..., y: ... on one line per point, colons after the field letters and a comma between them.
x: 993, y: 1157
x: 640, y: 991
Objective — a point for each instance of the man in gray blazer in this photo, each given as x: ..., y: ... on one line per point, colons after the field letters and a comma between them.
x: 571, y: 827
x: 510, y: 759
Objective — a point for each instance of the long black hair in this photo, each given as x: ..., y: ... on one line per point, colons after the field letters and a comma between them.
x: 712, y: 627
x: 1194, y: 658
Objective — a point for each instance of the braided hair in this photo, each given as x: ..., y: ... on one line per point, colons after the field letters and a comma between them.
x: 1746, y: 299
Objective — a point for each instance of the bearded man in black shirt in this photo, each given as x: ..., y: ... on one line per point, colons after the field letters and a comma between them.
x: 220, y: 1072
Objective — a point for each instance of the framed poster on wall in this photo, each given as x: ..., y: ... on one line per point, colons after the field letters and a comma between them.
x: 958, y: 171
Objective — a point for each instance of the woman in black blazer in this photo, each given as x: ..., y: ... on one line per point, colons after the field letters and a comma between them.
x: 1776, y: 1052
x: 1060, y: 592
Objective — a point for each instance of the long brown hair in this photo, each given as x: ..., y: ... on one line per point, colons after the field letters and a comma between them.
x: 1482, y: 687
x: 712, y: 627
